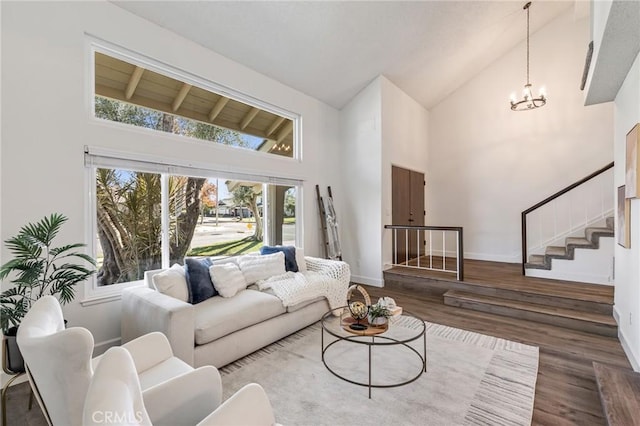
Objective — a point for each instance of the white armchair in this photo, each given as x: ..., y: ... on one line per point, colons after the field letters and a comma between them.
x: 115, y: 397
x: 60, y: 369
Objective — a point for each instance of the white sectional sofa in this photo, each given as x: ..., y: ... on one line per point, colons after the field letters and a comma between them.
x: 221, y: 330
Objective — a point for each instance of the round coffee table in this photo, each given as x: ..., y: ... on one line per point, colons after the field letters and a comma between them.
x: 399, y: 332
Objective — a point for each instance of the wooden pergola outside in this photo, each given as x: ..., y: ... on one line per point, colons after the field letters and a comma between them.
x: 125, y: 82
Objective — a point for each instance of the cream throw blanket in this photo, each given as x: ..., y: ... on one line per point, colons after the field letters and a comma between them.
x: 296, y: 287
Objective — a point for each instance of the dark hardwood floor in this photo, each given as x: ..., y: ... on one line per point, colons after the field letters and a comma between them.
x: 566, y: 389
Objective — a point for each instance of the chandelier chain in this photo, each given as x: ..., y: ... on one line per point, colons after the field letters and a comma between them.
x: 527, y: 7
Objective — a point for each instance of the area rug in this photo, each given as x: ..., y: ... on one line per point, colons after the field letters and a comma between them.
x: 471, y: 379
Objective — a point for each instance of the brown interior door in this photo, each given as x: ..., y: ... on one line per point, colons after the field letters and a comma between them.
x: 407, y: 208
x: 400, y: 208
x: 416, y: 213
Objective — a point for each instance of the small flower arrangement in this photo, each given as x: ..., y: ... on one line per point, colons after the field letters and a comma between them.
x: 378, y: 314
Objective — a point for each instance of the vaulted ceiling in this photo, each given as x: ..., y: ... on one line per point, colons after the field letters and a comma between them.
x: 332, y: 50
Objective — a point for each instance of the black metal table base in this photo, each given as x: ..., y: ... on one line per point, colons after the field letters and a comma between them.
x: 371, y: 344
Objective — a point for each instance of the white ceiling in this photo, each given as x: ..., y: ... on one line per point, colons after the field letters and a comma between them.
x: 332, y: 49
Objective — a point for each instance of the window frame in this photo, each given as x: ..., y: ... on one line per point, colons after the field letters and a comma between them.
x: 95, y: 44
x: 94, y: 294
x: 95, y: 157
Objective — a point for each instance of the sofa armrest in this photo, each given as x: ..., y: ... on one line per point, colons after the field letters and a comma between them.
x: 186, y: 399
x: 145, y: 310
x: 336, y: 269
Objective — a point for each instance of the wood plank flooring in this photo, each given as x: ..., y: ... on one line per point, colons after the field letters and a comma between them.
x: 619, y: 393
x: 566, y: 390
x: 509, y: 276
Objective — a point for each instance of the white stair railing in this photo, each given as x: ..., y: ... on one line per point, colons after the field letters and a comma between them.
x: 435, y: 248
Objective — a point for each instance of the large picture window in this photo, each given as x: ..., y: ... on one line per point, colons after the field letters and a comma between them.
x: 147, y: 214
x: 147, y: 221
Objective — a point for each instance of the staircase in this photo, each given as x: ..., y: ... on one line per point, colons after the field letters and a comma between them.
x: 591, y: 241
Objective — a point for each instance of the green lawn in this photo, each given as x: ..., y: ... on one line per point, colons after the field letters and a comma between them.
x: 229, y: 248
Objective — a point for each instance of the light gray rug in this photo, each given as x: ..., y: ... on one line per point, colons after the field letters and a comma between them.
x: 471, y: 379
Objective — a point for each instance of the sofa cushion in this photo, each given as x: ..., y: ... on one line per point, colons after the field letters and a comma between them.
x: 290, y: 264
x: 198, y: 279
x: 172, y: 282
x: 227, y: 279
x: 304, y: 303
x: 166, y: 370
x: 224, y: 260
x: 255, y: 268
x: 217, y: 316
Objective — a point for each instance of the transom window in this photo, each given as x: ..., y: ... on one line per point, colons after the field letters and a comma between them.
x: 139, y: 96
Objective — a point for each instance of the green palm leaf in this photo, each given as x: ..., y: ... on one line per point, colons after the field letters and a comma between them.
x: 37, y: 269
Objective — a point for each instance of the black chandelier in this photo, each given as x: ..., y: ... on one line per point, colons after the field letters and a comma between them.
x: 528, y: 102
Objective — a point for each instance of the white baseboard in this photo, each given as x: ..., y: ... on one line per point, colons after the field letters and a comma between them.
x: 101, y: 347
x: 493, y: 257
x: 633, y: 358
x: 375, y: 282
x: 577, y: 277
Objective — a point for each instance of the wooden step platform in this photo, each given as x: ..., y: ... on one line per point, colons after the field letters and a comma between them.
x: 619, y: 390
x: 502, y: 289
x: 589, y: 322
x: 504, y: 280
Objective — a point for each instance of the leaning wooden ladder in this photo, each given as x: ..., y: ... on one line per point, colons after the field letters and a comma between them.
x: 329, y: 225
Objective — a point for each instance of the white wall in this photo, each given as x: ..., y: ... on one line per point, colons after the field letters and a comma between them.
x: 487, y: 164
x: 627, y: 270
x: 381, y: 126
x: 405, y: 134
x: 361, y: 159
x: 47, y: 120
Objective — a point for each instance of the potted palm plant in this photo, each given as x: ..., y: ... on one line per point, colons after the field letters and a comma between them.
x: 38, y: 269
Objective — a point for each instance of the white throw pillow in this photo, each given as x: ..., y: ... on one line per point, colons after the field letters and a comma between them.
x: 172, y: 282
x: 227, y: 279
x: 302, y: 264
x: 257, y: 268
x: 222, y: 261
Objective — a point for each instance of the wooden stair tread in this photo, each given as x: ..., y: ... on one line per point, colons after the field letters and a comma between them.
x: 619, y: 390
x: 512, y: 279
x: 581, y: 242
x: 601, y: 230
x: 556, y: 288
x: 536, y: 258
x: 532, y: 307
x: 555, y: 251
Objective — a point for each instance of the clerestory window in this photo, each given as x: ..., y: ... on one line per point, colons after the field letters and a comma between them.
x: 138, y: 95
